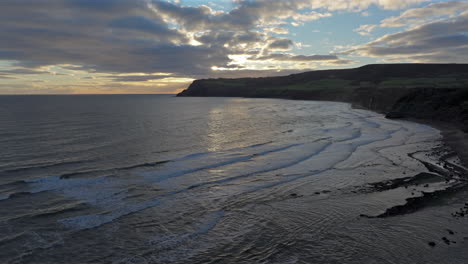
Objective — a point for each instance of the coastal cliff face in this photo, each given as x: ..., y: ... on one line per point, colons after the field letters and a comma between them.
x: 437, y: 92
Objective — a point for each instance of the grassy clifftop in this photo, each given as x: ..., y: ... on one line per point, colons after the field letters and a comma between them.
x: 378, y: 76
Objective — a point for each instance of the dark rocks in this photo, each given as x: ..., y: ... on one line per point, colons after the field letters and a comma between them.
x: 295, y: 195
x: 461, y: 212
x: 395, y: 115
x: 406, y: 182
x: 366, y: 216
x: 446, y: 241
x: 326, y: 191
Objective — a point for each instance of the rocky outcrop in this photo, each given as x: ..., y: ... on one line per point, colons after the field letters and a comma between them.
x: 450, y: 105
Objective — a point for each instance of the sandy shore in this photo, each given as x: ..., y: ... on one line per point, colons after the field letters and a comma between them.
x: 453, y: 137
x: 458, y: 141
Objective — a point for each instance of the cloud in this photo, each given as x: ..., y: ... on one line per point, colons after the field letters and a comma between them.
x: 418, y: 16
x: 137, y: 78
x: 365, y: 14
x: 277, y: 30
x: 23, y: 71
x: 100, y: 41
x: 235, y: 41
x: 365, y: 30
x: 291, y: 57
x: 101, y: 5
x: 114, y: 37
x: 305, y: 60
x: 150, y: 26
x: 339, y: 62
x: 6, y: 77
x: 117, y: 36
x: 357, y: 5
x: 254, y: 73
x: 280, y: 44
x: 439, y: 41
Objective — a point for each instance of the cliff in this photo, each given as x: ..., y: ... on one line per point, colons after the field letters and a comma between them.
x: 437, y: 92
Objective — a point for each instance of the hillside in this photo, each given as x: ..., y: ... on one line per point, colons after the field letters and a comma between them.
x: 436, y: 92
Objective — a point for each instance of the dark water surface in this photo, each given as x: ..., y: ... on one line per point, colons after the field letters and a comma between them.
x: 160, y: 179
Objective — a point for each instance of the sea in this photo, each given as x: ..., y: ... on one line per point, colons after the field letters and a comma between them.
x: 165, y: 179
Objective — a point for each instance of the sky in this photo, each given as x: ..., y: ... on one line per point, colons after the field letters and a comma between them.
x: 155, y: 46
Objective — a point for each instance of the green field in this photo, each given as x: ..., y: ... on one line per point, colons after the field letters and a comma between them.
x: 439, y: 82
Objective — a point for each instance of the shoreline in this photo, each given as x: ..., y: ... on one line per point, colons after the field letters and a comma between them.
x: 452, y: 135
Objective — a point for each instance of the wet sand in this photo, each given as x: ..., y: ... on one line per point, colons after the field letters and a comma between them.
x: 452, y: 136
x: 458, y: 141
